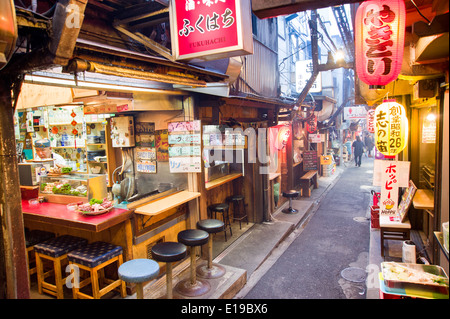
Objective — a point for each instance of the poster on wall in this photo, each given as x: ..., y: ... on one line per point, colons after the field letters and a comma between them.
x: 184, y: 147
x: 145, y: 150
x: 162, y: 145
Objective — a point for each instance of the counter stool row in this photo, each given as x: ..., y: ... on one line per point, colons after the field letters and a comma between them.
x: 81, y: 256
x: 140, y: 271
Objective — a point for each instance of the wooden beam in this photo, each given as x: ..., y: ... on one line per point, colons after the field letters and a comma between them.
x: 149, y: 43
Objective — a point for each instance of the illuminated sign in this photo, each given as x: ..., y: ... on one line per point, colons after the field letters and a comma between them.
x: 210, y: 29
x: 391, y: 128
x: 379, y: 41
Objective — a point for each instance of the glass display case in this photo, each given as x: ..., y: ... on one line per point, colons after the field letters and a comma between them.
x: 72, y: 187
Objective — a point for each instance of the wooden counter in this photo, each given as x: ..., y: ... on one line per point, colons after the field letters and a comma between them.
x: 58, y: 214
x: 161, y: 205
x: 222, y: 180
x: 424, y: 199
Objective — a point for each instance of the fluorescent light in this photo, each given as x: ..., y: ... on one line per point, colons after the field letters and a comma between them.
x: 37, y: 79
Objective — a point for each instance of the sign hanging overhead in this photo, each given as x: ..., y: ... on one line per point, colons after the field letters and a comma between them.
x: 379, y: 41
x: 355, y: 113
x: 303, y: 72
x: 210, y: 29
x: 391, y: 128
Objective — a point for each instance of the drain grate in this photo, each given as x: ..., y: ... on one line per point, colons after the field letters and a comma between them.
x: 354, y: 274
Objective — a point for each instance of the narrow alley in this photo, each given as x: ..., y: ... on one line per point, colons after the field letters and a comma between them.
x: 329, y: 257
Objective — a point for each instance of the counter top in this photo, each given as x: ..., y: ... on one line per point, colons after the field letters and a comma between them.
x: 58, y: 214
x: 161, y: 205
x: 222, y: 180
x: 424, y: 199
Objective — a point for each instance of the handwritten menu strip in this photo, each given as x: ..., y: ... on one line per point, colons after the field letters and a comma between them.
x: 310, y: 161
x: 184, y: 147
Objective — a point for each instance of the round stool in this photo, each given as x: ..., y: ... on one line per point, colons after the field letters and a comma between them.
x: 221, y: 208
x: 169, y: 252
x: 139, y: 271
x: 210, y: 270
x: 193, y: 287
x: 290, y: 194
x: 238, y: 214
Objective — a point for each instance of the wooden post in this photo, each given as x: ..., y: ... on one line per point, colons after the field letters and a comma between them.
x: 14, y: 282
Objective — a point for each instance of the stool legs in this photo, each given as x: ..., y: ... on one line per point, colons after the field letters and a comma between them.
x: 210, y: 270
x: 57, y: 288
x: 193, y: 287
x: 169, y: 268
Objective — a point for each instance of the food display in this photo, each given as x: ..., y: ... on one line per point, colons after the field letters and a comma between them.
x: 93, y: 207
x: 62, y: 189
x: 430, y: 278
x: 59, y: 170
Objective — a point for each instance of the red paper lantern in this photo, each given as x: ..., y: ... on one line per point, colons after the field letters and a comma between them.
x: 379, y: 41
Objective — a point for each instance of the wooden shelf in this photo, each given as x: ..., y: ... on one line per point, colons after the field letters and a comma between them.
x: 424, y: 199
x: 161, y: 205
x: 222, y: 180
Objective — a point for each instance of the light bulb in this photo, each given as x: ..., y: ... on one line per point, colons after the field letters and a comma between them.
x: 431, y: 117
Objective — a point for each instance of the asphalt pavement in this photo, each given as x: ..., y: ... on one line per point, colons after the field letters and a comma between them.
x: 325, y: 252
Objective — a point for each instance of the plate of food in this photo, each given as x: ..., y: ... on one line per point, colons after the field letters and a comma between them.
x: 93, y: 207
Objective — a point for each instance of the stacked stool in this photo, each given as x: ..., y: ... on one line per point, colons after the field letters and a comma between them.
x: 210, y: 270
x: 193, y: 287
x: 290, y: 194
x: 33, y: 237
x: 239, y: 211
x: 221, y: 208
x: 169, y: 252
x: 94, y: 258
x: 139, y: 271
x: 54, y: 250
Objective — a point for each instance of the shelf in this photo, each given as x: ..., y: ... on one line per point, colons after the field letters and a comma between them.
x: 161, y: 205
x: 424, y: 199
x: 222, y: 180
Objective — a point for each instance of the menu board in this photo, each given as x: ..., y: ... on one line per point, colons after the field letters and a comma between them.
x: 310, y: 161
x: 145, y: 147
x: 406, y: 200
x: 184, y: 141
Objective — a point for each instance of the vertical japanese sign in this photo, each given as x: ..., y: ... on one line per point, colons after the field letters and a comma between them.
x: 370, y: 121
x: 145, y: 151
x: 210, y: 29
x: 390, y: 175
x: 185, y: 147
x: 391, y: 128
x: 303, y: 72
x: 379, y: 40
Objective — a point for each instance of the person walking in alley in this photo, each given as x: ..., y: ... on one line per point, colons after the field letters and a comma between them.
x: 358, y: 150
x: 368, y: 141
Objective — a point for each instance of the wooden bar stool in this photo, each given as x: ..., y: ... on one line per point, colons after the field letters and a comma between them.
x: 94, y: 258
x: 239, y: 213
x: 33, y: 237
x: 193, y: 287
x: 139, y: 271
x: 221, y: 208
x: 210, y: 270
x: 169, y: 252
x: 290, y: 194
x: 55, y: 250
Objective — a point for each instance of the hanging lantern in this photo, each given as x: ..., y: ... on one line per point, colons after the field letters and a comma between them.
x: 391, y: 128
x: 379, y: 41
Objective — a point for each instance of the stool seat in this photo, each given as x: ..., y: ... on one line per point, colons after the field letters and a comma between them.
x: 138, y: 270
x: 235, y: 198
x: 193, y: 237
x: 169, y: 252
x: 94, y: 254
x: 291, y: 194
x: 36, y: 236
x: 211, y: 225
x: 221, y: 207
x: 59, y: 246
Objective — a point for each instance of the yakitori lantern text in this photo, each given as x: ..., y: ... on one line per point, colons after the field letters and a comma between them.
x: 391, y: 128
x: 379, y: 41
